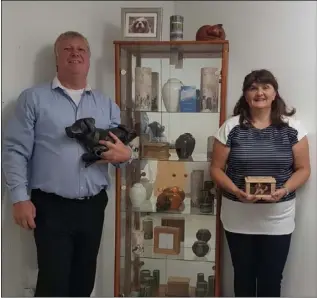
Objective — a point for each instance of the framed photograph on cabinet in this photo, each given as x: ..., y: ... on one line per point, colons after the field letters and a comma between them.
x: 141, y: 23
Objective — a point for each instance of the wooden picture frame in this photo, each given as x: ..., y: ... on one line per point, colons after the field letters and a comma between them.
x: 175, y: 222
x: 260, y: 186
x: 166, y: 240
x: 141, y: 23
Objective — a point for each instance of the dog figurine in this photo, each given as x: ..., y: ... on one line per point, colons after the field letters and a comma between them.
x: 85, y: 132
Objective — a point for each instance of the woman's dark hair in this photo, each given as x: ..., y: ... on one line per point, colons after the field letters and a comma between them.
x: 278, y: 109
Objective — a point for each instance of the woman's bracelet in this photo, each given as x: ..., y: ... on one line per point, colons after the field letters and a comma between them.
x: 287, y: 191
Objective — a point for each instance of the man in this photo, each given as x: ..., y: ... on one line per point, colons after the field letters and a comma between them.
x: 66, y: 209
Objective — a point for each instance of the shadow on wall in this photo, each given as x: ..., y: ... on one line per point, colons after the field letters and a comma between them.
x: 12, y: 248
x: 105, y: 65
x: 105, y: 82
x: 45, y: 66
x: 19, y: 249
x: 44, y: 71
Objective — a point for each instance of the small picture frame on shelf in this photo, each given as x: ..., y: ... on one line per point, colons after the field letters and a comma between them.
x: 175, y: 223
x: 166, y: 240
x: 141, y: 23
x: 260, y: 186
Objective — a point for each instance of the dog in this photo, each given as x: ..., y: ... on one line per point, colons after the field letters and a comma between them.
x: 140, y: 25
x: 85, y: 132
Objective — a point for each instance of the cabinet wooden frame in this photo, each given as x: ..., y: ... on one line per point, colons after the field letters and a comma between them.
x: 153, y: 48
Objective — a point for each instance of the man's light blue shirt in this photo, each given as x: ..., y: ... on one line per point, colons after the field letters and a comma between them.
x: 37, y: 154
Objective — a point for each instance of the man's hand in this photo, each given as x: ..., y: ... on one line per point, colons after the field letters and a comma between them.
x: 244, y: 197
x: 24, y: 214
x: 118, y: 152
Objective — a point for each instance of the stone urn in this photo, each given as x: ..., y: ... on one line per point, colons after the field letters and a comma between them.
x: 185, y: 145
x: 203, y: 235
x: 200, y: 248
x: 171, y: 94
x: 137, y: 194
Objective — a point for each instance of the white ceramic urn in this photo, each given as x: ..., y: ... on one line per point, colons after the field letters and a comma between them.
x: 171, y: 94
x: 137, y: 194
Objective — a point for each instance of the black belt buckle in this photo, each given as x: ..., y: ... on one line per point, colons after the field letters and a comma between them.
x: 85, y: 198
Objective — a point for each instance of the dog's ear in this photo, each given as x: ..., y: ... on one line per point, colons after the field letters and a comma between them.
x: 90, y: 123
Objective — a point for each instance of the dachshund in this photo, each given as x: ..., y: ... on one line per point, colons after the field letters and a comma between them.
x: 85, y: 132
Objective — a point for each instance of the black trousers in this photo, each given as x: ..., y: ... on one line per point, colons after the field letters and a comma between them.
x: 258, y: 262
x: 67, y: 236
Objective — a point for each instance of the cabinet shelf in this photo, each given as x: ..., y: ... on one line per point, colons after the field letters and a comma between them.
x: 193, y: 211
x: 149, y: 207
x: 162, y: 292
x: 186, y: 254
x: 166, y: 112
x: 199, y: 157
x: 163, y: 49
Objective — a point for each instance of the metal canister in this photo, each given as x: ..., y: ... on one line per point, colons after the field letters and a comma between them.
x: 176, y: 27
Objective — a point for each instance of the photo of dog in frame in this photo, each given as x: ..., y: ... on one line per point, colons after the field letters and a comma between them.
x: 141, y: 23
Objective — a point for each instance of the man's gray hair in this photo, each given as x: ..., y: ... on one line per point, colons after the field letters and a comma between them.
x: 70, y: 34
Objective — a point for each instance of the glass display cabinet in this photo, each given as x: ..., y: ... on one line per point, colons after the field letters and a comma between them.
x: 167, y: 236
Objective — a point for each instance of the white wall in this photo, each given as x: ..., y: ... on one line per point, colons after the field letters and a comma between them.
x: 29, y: 30
x: 280, y: 36
x: 289, y: 28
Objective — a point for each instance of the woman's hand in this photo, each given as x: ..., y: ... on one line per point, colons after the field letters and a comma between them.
x: 244, y: 197
x: 276, y: 195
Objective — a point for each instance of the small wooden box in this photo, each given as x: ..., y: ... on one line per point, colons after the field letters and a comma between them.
x: 155, y: 150
x: 260, y: 186
x: 178, y: 286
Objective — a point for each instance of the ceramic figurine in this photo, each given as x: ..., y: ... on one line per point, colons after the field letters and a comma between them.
x: 157, y: 132
x: 208, y: 32
x: 86, y: 133
x: 171, y: 198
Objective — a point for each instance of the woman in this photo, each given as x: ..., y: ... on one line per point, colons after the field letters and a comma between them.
x: 261, y: 139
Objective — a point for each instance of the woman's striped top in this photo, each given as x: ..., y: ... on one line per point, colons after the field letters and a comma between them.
x: 260, y: 152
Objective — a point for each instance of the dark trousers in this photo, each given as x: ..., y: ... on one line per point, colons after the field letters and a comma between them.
x: 258, y: 262
x: 67, y: 236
